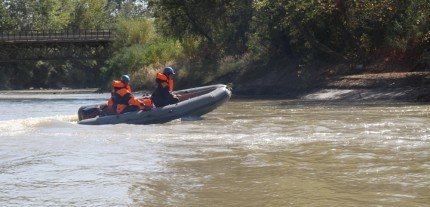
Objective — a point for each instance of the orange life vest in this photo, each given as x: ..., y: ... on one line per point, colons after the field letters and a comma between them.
x: 166, y: 79
x: 147, y: 102
x: 119, y: 85
x: 122, y: 97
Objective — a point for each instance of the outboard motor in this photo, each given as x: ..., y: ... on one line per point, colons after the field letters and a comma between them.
x: 88, y: 112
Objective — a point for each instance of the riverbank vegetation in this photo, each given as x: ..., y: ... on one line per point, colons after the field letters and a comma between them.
x: 258, y: 45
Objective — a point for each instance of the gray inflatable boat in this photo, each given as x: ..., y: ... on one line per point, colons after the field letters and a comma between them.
x: 193, y: 102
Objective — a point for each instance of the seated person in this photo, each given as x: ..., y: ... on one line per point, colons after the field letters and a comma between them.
x: 122, y: 100
x: 163, y: 95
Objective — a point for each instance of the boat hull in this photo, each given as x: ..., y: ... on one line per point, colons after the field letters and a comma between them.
x: 194, y: 102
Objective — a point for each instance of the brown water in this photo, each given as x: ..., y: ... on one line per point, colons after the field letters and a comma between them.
x: 246, y: 153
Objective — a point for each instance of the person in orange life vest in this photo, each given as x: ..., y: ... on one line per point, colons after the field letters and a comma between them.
x: 162, y: 94
x: 122, y: 100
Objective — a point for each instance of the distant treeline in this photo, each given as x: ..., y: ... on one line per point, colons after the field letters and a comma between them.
x: 208, y: 39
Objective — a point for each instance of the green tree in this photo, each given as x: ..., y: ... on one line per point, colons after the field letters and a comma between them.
x: 6, y: 22
x: 51, y: 14
x: 20, y: 11
x: 36, y: 15
x: 222, y: 24
x: 92, y: 14
x: 133, y: 31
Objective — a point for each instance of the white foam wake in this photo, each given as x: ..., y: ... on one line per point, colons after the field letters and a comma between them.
x: 20, y: 126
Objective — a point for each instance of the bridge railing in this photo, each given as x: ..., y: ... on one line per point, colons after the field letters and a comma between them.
x: 56, y: 36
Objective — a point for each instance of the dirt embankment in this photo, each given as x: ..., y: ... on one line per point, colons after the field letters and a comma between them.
x: 363, y: 84
x: 405, y: 86
x: 51, y: 91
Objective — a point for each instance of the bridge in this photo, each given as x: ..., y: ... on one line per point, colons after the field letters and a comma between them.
x: 33, y: 45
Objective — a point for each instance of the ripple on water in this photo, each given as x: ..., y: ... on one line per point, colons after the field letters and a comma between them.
x: 248, y: 152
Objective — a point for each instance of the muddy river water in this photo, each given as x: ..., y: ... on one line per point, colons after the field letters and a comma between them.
x: 246, y: 153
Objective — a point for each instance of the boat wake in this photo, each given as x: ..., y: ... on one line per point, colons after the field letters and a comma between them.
x: 21, y: 126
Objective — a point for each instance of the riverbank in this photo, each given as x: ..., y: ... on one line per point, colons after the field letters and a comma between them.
x: 52, y: 91
x: 401, y: 86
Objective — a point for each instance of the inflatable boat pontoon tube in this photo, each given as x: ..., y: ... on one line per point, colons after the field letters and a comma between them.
x: 193, y: 102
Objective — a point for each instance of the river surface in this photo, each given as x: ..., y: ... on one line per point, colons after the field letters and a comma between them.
x: 246, y: 153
